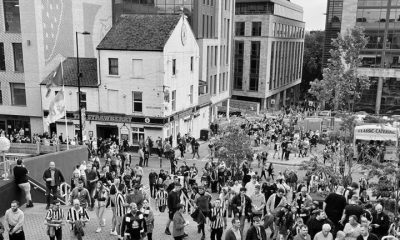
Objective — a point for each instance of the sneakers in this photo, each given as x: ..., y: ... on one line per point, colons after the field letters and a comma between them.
x: 114, y: 233
x: 29, y: 204
x: 167, y: 231
x: 98, y: 230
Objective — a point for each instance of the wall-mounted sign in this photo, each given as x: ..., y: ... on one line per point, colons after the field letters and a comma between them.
x: 124, y: 130
x: 147, y: 120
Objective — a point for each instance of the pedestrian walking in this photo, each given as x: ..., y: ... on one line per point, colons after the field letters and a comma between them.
x: 54, y: 221
x: 77, y: 218
x: 14, y: 221
x: 53, y: 178
x: 100, y: 198
x: 179, y: 223
x: 21, y: 179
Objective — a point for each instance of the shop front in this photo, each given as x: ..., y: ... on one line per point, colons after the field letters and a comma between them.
x: 15, y: 124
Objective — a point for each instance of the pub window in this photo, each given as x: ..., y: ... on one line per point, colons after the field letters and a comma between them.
x: 18, y: 96
x: 18, y: 57
x: 11, y: 16
x: 113, y: 66
x: 137, y: 101
x: 137, y: 135
x: 191, y: 63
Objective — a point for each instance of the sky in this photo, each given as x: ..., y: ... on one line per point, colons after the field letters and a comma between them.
x: 313, y: 13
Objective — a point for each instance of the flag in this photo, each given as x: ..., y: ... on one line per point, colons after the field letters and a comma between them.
x: 57, y: 24
x: 54, y: 79
x: 56, y: 108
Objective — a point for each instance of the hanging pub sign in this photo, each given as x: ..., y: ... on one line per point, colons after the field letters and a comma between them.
x: 124, y: 132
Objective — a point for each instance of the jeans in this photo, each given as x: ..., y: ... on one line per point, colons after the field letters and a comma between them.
x: 153, y: 190
x: 17, y: 236
x: 51, y: 190
x: 216, y: 233
x: 58, y: 235
x: 26, y: 187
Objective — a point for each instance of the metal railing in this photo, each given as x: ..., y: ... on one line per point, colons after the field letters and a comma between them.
x: 186, y: 201
x: 37, y: 186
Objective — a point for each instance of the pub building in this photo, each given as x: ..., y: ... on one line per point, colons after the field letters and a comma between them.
x: 144, y: 83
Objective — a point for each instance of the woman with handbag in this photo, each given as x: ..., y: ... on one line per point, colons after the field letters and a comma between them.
x: 100, y: 196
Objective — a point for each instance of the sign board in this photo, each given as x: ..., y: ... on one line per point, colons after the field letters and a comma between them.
x: 124, y: 130
x: 245, y: 106
x: 272, y: 101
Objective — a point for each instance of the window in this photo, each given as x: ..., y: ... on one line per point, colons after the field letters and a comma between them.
x: 256, y: 29
x: 2, y: 58
x: 191, y: 63
x: 18, y: 96
x: 211, y: 27
x: 238, y: 65
x: 254, y: 66
x: 1, y: 96
x: 83, y: 100
x: 191, y: 94
x: 215, y: 84
x: 174, y: 67
x: 137, y: 102
x: 11, y: 16
x: 204, y: 26
x: 173, y: 100
x: 216, y: 55
x: 137, y: 68
x: 239, y: 28
x: 18, y: 57
x: 137, y: 134
x: 113, y: 66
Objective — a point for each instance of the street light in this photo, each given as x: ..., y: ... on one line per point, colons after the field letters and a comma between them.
x: 78, y: 74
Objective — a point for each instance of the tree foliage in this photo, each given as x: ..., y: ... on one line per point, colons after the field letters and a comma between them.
x: 312, y: 60
x: 234, y: 144
x: 341, y: 80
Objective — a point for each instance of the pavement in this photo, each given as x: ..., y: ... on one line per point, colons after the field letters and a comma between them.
x: 34, y: 217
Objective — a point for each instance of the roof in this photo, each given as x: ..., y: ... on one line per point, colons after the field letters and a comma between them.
x: 137, y: 32
x: 87, y: 67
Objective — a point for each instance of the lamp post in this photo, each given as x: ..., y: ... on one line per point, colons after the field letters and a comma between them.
x: 78, y: 74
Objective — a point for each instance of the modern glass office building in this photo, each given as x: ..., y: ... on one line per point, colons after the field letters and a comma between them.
x: 380, y: 58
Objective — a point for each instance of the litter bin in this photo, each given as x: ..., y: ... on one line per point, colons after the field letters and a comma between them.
x: 204, y: 134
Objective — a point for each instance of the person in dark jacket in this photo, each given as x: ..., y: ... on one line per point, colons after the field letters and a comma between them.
x: 234, y: 233
x: 174, y: 199
x: 202, y: 201
x: 315, y: 223
x: 53, y: 178
x: 380, y: 222
x: 365, y: 235
x: 21, y: 179
x: 241, y: 205
x: 133, y: 224
x: 256, y: 232
x: 153, y: 181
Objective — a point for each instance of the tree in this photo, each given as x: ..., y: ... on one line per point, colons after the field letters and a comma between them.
x: 234, y: 144
x: 341, y: 80
x: 312, y: 60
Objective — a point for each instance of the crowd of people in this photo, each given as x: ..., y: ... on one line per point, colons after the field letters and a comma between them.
x: 256, y: 202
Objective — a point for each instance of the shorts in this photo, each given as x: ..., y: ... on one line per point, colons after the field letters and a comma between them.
x: 171, y: 215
